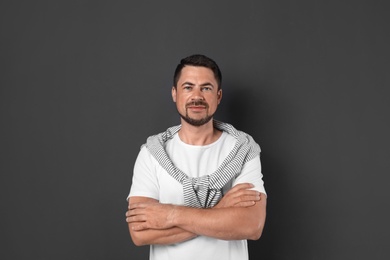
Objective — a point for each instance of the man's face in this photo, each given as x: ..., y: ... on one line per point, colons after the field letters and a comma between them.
x: 196, y: 95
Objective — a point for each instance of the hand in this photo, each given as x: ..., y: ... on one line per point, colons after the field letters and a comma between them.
x: 150, y: 216
x: 239, y: 196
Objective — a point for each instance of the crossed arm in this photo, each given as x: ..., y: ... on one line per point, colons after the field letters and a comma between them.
x: 239, y: 215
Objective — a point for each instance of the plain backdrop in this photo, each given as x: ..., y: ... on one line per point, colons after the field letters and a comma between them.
x: 83, y: 83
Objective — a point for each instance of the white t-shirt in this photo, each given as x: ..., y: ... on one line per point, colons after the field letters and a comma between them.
x: 152, y: 181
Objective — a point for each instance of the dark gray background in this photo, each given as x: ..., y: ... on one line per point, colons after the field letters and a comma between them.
x: 83, y: 83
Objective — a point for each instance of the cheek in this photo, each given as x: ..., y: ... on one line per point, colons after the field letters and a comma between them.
x: 180, y: 104
x: 213, y: 102
x: 182, y: 99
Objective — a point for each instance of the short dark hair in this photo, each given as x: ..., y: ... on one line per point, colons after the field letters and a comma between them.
x: 198, y: 60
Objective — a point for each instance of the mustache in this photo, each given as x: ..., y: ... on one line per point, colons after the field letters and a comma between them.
x: 197, y: 103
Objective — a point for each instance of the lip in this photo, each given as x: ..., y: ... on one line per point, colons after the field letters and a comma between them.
x: 196, y: 108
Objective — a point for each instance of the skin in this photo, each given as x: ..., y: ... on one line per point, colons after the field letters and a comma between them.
x: 151, y: 222
x: 241, y: 212
x: 197, y: 84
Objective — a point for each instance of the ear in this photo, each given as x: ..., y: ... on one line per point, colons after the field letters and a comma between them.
x: 174, y: 94
x: 219, y: 93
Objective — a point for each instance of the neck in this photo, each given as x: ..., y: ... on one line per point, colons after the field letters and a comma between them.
x: 199, y: 135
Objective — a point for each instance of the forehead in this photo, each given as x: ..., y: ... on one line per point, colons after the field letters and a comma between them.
x: 189, y: 73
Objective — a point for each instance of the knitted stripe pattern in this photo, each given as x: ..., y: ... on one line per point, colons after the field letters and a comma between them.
x: 205, y: 191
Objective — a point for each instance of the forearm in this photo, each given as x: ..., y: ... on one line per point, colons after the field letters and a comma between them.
x: 223, y: 223
x: 156, y: 236
x: 159, y: 236
x: 239, y: 215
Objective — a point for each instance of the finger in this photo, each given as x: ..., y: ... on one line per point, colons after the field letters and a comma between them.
x: 239, y: 187
x: 248, y: 198
x: 242, y: 186
x: 240, y: 193
x: 138, y: 218
x: 137, y: 205
x: 244, y: 198
x: 247, y: 193
x: 252, y: 193
x: 133, y: 205
x: 245, y: 204
x: 139, y: 227
x: 133, y: 212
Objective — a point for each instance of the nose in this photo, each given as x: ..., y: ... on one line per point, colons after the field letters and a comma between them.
x: 197, y: 94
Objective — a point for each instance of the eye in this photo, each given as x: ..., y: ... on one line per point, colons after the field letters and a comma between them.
x: 207, y: 89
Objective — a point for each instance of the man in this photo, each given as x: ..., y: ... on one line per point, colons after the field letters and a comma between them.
x: 197, y: 190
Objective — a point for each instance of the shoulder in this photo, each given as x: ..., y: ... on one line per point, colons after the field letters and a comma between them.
x: 227, y: 138
x: 144, y: 155
x: 162, y: 137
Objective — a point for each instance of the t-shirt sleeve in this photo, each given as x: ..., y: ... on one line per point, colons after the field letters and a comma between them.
x: 251, y: 173
x: 145, y: 182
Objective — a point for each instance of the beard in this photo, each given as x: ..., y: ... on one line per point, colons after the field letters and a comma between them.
x: 196, y: 122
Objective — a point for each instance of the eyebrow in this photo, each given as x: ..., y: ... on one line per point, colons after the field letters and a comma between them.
x: 188, y: 83
x: 202, y: 85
